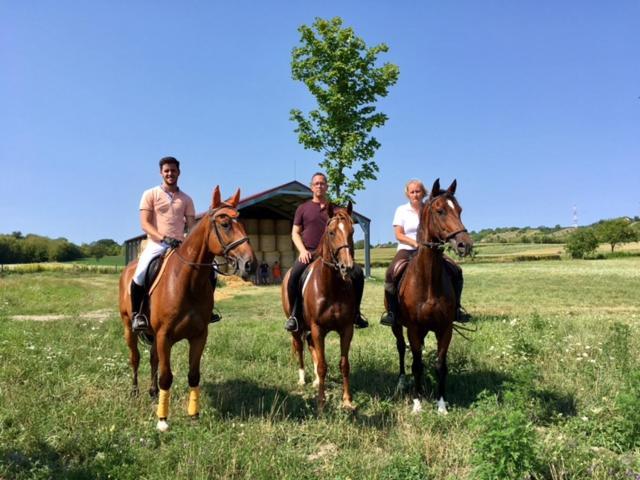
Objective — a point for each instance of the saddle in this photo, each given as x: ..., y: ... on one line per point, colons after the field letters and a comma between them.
x: 155, y: 271
x: 399, y: 268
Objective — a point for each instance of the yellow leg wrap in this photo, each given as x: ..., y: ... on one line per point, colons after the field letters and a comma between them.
x: 194, y: 401
x: 163, y: 404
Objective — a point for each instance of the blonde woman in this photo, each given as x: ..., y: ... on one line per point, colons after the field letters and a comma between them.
x: 405, y: 227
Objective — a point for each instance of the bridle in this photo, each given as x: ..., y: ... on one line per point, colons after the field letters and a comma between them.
x: 335, y: 264
x: 213, y: 213
x: 440, y: 244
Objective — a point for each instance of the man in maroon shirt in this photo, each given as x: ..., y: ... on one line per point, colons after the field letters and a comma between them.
x: 309, y: 223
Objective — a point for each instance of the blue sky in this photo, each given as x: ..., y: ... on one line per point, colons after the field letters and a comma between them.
x: 533, y: 106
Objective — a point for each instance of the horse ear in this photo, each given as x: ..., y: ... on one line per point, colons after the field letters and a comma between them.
x: 330, y: 212
x: 452, y: 187
x: 435, y: 190
x: 216, y: 197
x: 235, y: 199
x: 349, y: 207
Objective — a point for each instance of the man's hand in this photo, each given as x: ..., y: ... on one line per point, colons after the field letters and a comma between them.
x: 171, y: 242
x: 305, y: 257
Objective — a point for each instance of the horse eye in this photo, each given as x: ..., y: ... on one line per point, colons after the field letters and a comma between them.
x: 441, y: 212
x: 331, y: 234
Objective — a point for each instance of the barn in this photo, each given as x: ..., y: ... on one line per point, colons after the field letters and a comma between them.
x: 268, y: 219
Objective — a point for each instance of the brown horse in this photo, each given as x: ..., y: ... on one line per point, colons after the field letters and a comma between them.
x: 328, y: 302
x: 426, y: 297
x: 181, y: 302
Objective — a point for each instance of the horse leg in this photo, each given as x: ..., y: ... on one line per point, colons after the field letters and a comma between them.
x: 444, y: 338
x: 321, y: 366
x: 153, y: 362
x: 314, y: 358
x: 196, y: 347
x: 401, y: 347
x: 345, y: 342
x: 415, y: 342
x: 134, y: 356
x: 298, y: 348
x: 163, y: 346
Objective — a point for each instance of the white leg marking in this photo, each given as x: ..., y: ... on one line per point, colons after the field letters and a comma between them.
x: 162, y: 426
x: 442, y: 406
x: 301, y: 376
x: 316, y: 382
x: 417, y: 406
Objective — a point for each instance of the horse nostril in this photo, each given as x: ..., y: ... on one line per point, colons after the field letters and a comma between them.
x: 461, y: 246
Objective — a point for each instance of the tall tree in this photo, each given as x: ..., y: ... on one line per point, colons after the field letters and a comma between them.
x: 340, y: 72
x: 616, y: 232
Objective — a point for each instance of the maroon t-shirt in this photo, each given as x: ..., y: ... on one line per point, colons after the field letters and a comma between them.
x: 313, y: 218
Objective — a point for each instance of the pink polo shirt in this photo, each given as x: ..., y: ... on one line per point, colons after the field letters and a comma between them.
x: 169, y: 210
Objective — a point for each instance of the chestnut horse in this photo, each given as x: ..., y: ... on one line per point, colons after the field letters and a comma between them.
x: 181, y: 302
x: 426, y: 297
x: 328, y: 302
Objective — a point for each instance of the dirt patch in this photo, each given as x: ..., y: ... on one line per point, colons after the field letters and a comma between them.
x: 96, y: 315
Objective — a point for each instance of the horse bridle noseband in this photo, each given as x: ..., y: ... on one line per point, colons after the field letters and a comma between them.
x: 441, y: 243
x: 226, y: 248
x: 334, y: 253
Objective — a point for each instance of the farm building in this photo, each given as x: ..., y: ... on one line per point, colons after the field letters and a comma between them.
x: 268, y: 219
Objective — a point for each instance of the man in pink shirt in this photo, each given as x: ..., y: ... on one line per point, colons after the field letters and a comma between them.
x: 164, y: 212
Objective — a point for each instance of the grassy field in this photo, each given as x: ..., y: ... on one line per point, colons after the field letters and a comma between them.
x: 549, y: 385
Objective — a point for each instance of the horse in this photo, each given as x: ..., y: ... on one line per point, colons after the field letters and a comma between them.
x: 328, y: 303
x: 426, y: 297
x: 181, y: 302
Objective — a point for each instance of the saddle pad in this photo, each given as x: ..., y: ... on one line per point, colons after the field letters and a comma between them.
x: 161, y: 271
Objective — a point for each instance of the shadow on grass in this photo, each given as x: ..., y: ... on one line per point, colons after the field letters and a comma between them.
x: 241, y: 398
x: 43, y: 461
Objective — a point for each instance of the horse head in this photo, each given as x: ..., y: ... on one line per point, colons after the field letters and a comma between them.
x: 440, y: 221
x: 227, y: 237
x: 338, y: 239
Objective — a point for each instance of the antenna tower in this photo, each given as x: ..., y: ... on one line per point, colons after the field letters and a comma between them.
x: 575, y: 217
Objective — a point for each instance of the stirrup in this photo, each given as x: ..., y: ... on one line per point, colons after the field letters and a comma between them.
x: 360, y: 321
x: 140, y: 323
x: 215, y: 316
x: 462, y: 316
x: 292, y: 325
x: 388, y: 319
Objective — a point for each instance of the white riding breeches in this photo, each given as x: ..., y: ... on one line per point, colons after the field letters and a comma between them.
x: 152, y: 250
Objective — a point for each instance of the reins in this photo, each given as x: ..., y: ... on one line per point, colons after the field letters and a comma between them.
x: 226, y: 248
x: 440, y: 244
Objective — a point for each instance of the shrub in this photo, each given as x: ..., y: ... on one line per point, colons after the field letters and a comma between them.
x: 581, y: 243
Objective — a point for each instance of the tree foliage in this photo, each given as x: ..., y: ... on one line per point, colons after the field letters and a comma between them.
x: 581, y: 243
x: 18, y: 248
x: 615, y: 232
x: 340, y: 72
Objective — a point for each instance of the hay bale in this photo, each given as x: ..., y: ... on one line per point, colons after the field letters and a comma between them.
x: 271, y: 257
x: 267, y: 242
x: 266, y: 226
x: 254, y: 240
x: 283, y: 226
x: 287, y: 259
x: 250, y: 225
x: 284, y: 243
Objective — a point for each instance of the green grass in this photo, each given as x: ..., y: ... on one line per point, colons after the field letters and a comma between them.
x: 109, y: 260
x: 563, y: 336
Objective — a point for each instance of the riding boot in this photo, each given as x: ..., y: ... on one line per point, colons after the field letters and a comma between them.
x: 357, y: 277
x: 389, y: 317
x: 292, y: 324
x: 140, y: 321
x: 213, y: 279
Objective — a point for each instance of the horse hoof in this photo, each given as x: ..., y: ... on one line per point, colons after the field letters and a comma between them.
x: 134, y: 392
x: 153, y: 393
x: 195, y: 418
x: 417, y: 406
x: 162, y: 426
x: 301, y: 380
x: 442, y: 407
x: 349, y: 407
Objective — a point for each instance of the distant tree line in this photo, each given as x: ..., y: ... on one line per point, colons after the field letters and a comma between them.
x: 18, y: 248
x: 583, y: 242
